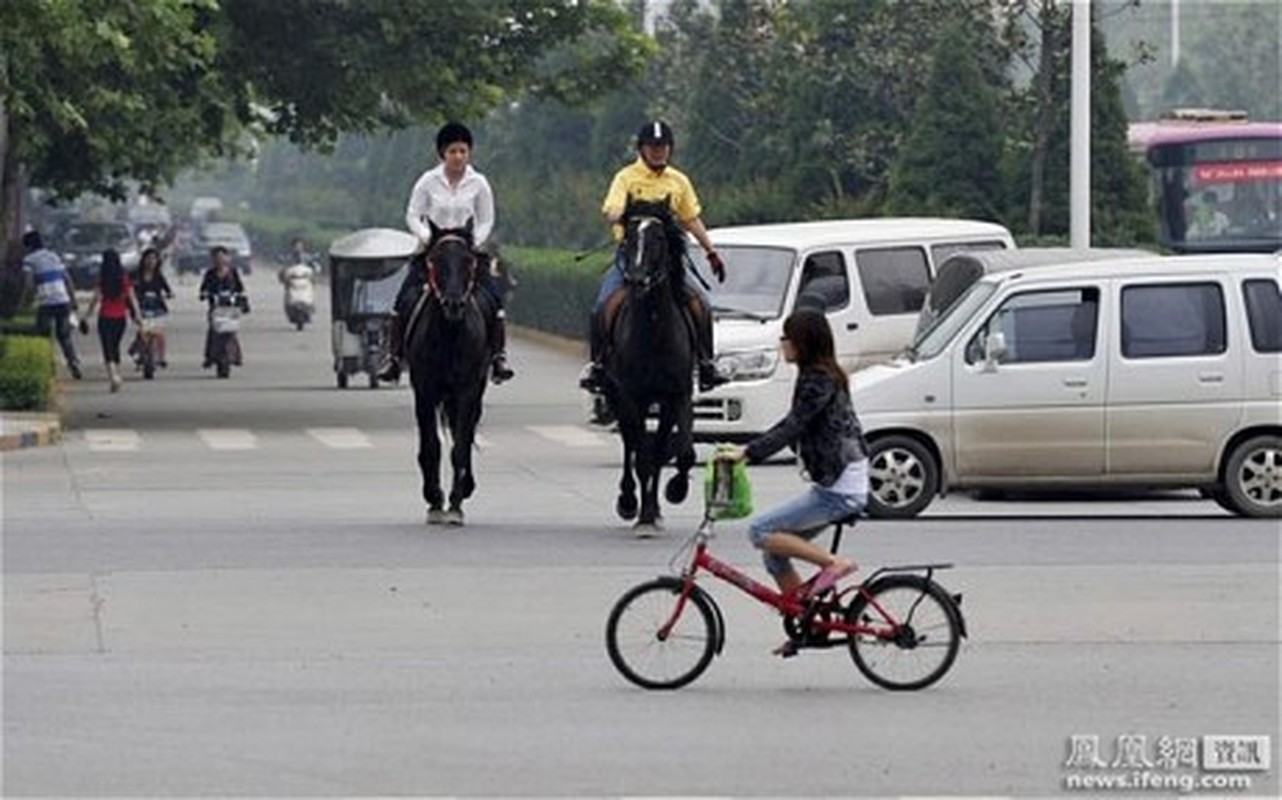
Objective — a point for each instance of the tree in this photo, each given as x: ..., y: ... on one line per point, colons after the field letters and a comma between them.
x: 98, y: 93
x: 950, y: 162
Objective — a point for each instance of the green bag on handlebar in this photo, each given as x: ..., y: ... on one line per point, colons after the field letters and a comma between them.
x: 726, y: 489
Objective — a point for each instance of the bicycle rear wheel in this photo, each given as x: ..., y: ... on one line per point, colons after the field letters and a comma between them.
x: 915, y: 632
x: 639, y: 651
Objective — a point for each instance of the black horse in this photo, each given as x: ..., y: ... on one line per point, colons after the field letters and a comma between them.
x: 448, y: 360
x: 650, y: 364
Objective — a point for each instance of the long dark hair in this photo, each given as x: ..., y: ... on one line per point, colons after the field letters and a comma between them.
x: 112, y: 276
x: 149, y: 253
x: 810, y: 334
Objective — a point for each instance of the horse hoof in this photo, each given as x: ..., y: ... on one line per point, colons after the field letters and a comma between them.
x: 677, y: 489
x: 436, y: 516
x: 626, y: 507
x: 646, y: 530
x: 454, y: 517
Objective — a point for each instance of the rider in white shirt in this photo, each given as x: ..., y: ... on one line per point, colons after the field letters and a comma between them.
x: 449, y: 196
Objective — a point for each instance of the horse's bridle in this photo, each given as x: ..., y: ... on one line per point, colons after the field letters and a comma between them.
x: 642, y: 223
x: 434, y: 271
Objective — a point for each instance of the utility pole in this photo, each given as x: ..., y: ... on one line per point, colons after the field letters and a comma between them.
x: 1080, y: 128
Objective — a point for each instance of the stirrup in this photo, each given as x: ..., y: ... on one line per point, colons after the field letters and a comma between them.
x: 591, y: 377
x: 500, y: 372
x: 390, y: 372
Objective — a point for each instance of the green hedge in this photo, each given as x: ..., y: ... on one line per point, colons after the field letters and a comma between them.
x: 26, y: 373
x: 554, y: 292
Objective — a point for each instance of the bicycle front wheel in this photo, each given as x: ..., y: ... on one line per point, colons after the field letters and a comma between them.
x: 640, y: 648
x: 912, y: 631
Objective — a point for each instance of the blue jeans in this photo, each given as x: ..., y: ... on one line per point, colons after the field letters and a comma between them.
x: 805, y: 515
x: 613, y: 281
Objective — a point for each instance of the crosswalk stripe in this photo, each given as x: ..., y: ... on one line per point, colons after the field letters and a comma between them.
x: 227, y: 438
x: 570, y: 435
x: 340, y: 438
x: 112, y: 439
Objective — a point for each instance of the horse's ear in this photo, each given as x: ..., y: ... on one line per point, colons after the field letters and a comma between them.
x: 468, y: 228
x: 436, y: 232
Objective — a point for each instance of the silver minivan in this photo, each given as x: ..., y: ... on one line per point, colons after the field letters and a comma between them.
x: 1148, y: 372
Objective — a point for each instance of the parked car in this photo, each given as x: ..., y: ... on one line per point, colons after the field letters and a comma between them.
x: 1157, y: 372
x: 81, y: 244
x: 869, y: 276
x: 230, y: 235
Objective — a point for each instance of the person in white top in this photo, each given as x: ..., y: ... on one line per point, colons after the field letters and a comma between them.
x: 451, y: 195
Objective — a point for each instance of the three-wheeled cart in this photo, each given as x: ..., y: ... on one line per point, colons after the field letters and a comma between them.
x: 366, y: 271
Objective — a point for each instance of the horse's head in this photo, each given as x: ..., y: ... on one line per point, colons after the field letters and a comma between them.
x: 652, y: 244
x: 451, y: 269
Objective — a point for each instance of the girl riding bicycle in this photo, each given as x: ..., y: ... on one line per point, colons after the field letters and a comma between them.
x: 822, y: 428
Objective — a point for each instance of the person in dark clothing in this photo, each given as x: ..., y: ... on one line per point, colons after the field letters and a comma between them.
x: 153, y: 292
x: 822, y: 428
x: 221, y: 283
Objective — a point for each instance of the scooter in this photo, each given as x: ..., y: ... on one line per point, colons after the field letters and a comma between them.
x: 224, y: 325
x: 299, y: 280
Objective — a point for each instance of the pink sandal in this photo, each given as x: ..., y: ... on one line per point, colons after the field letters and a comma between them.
x: 829, y: 576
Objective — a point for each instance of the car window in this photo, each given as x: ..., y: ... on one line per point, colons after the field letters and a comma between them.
x: 1264, y: 315
x: 756, y: 279
x: 824, y: 282
x: 1170, y: 320
x: 1055, y: 325
x: 894, y: 279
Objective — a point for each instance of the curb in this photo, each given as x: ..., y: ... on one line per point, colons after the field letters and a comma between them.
x: 20, y: 430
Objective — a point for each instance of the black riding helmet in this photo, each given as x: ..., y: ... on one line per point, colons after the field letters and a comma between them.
x: 656, y: 132
x: 450, y: 133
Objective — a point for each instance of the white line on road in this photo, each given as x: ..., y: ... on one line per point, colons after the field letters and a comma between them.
x: 112, y: 439
x: 227, y: 438
x: 340, y: 438
x: 570, y: 435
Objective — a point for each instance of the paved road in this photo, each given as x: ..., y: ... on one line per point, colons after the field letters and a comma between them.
x: 226, y: 587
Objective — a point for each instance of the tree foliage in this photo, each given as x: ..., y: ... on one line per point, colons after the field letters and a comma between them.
x: 950, y: 162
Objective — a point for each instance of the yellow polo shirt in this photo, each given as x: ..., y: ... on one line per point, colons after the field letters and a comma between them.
x: 638, y: 181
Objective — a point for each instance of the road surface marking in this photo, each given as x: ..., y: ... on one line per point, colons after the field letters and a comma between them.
x: 340, y: 438
x: 118, y: 440
x: 570, y: 435
x: 227, y: 438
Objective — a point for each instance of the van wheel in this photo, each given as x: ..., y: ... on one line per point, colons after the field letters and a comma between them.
x: 903, y: 477
x: 1253, y: 477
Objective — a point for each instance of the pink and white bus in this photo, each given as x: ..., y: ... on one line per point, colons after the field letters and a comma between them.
x: 1217, y: 181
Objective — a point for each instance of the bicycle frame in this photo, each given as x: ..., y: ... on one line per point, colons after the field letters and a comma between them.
x: 790, y: 604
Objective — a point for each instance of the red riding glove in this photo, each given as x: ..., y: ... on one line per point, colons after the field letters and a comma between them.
x: 718, y: 266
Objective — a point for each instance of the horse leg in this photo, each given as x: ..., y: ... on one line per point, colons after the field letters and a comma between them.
x: 648, y: 474
x: 429, y: 456
x: 626, y: 505
x: 682, y: 448
x: 463, y: 427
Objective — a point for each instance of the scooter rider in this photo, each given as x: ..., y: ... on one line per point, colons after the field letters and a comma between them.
x: 299, y: 280
x: 652, y: 178
x: 448, y: 196
x: 220, y: 282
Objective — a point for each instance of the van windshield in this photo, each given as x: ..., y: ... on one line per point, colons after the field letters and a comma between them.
x: 756, y: 280
x: 931, y: 342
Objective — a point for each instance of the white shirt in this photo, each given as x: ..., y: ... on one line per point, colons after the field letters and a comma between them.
x: 434, y: 199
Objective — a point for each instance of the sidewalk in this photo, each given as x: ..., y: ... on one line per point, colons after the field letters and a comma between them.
x: 20, y: 429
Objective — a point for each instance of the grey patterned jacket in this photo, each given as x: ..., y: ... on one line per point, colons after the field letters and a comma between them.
x: 821, y: 428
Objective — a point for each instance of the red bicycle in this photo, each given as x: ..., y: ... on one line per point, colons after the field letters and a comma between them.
x: 902, y: 628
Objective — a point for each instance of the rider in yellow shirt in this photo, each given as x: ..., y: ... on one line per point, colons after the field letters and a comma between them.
x: 652, y: 178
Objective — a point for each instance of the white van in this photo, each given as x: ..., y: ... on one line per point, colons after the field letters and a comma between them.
x: 1152, y: 372
x: 869, y: 275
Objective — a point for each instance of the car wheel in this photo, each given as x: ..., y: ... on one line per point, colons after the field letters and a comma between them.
x: 903, y: 477
x: 1253, y: 477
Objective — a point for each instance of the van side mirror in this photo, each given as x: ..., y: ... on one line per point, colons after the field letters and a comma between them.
x: 994, y: 350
